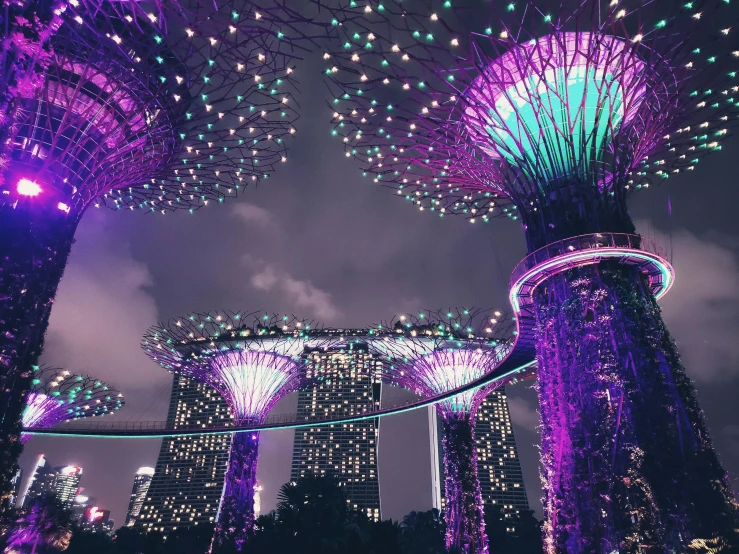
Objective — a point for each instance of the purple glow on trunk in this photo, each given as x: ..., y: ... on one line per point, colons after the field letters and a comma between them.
x: 251, y: 382
x: 465, y: 526
x: 441, y: 370
x: 236, y: 512
x: 487, y: 119
x: 627, y: 462
x: 253, y: 361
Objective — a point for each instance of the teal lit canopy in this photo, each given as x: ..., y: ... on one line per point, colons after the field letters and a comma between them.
x: 552, y: 106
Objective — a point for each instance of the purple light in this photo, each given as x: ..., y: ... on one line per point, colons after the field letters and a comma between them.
x: 555, y: 133
x: 27, y: 187
x: 235, y: 519
x: 440, y: 371
x: 58, y: 396
x: 63, y: 207
x: 445, y: 370
x: 252, y: 382
x: 42, y: 411
x: 32, y: 529
x: 253, y: 361
x: 434, y: 353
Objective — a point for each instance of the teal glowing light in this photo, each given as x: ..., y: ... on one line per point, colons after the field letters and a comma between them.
x: 554, y: 105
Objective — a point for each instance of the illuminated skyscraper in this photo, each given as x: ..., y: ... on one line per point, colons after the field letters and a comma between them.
x: 41, y: 482
x: 498, y: 466
x: 348, y: 383
x: 61, y: 483
x: 141, y: 482
x: 66, y: 484
x: 15, y: 491
x: 188, y: 480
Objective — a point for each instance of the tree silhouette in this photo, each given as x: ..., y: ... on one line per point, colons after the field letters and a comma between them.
x: 423, y: 533
x: 524, y: 536
x: 86, y: 542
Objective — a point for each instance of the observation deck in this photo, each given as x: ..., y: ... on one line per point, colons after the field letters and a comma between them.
x: 583, y: 250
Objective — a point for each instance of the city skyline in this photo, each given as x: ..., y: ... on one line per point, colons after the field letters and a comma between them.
x: 59, y: 482
x: 151, y: 277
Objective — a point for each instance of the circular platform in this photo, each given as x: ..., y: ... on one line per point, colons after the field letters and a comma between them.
x: 583, y: 250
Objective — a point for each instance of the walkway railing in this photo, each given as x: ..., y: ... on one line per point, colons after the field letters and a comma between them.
x: 592, y: 241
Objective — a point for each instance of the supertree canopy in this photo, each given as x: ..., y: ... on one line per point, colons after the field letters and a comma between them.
x: 436, y: 352
x: 103, y: 105
x: 57, y: 395
x: 252, y: 360
x: 551, y: 113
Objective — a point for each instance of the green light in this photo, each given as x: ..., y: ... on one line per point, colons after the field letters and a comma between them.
x: 532, y: 132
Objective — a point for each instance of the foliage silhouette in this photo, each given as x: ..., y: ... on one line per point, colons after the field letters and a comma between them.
x: 44, y: 527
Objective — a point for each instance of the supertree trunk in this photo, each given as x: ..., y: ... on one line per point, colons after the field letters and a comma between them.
x: 628, y: 465
x: 465, y: 528
x: 236, y: 516
x: 33, y: 252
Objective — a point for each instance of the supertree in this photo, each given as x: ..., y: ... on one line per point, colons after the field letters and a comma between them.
x: 100, y: 106
x: 58, y: 395
x: 253, y: 360
x: 551, y: 113
x: 436, y: 352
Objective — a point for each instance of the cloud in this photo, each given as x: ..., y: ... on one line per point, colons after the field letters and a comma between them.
x: 251, y: 213
x: 101, y: 311
x: 301, y: 293
x: 523, y: 414
x: 702, y: 308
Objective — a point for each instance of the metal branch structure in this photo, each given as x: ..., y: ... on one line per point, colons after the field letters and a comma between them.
x: 551, y: 113
x: 106, y: 104
x: 58, y: 395
x: 435, y: 352
x: 253, y: 360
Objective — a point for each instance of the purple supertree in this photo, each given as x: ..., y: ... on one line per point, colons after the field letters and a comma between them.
x: 551, y: 113
x: 58, y: 395
x: 252, y: 360
x: 100, y: 106
x: 436, y: 352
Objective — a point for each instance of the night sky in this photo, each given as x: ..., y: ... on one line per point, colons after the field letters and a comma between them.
x: 320, y: 241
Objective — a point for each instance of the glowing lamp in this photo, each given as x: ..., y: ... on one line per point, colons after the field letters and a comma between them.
x: 27, y: 187
x: 63, y: 207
